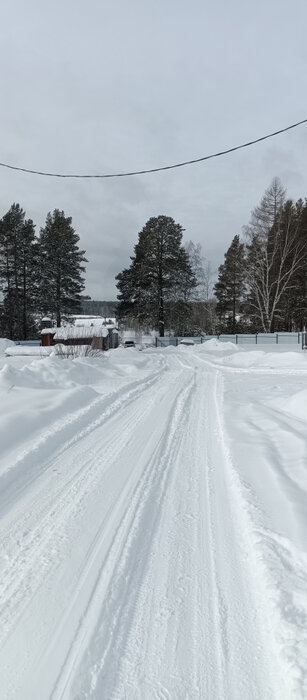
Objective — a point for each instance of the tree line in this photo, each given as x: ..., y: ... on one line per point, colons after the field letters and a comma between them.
x: 262, y: 284
x: 39, y: 274
x: 260, y: 287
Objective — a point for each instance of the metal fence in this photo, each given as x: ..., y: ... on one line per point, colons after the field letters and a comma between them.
x: 33, y: 343
x: 299, y: 338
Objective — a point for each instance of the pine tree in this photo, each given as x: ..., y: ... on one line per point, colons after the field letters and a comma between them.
x: 230, y: 287
x: 155, y: 290
x: 61, y: 280
x: 17, y: 273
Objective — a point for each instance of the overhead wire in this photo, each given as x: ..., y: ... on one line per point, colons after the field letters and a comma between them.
x: 156, y: 170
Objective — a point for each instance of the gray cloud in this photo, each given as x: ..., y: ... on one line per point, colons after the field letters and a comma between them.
x: 105, y: 87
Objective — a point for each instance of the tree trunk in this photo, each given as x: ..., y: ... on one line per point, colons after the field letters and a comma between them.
x: 161, y: 313
x: 25, y: 333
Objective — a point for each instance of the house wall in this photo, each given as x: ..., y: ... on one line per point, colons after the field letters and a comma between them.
x: 47, y: 339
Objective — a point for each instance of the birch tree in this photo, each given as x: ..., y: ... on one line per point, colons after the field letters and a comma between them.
x: 203, y: 303
x: 276, y: 252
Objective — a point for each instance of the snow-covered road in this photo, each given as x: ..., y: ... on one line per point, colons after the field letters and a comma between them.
x: 153, y: 534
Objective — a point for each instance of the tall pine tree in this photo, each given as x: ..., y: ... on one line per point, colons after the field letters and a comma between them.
x: 18, y: 273
x: 61, y: 278
x: 155, y: 289
x: 229, y: 289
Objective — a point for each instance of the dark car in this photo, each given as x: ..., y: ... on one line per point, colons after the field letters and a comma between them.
x: 129, y: 344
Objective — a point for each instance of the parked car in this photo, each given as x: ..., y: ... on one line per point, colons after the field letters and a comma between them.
x: 129, y: 344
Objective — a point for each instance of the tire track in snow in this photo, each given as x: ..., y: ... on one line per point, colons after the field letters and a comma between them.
x: 167, y: 590
x: 37, y: 542
x: 51, y: 507
x: 24, y: 471
x: 186, y: 614
x: 105, y: 626
x: 21, y: 535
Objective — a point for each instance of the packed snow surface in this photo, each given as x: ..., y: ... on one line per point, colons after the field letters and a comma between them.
x: 153, y: 525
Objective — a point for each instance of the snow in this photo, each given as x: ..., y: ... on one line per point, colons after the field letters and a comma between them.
x: 70, y: 332
x: 45, y: 331
x: 78, y: 331
x: 4, y: 344
x: 84, y: 320
x: 46, y: 351
x: 28, y: 351
x: 153, y: 525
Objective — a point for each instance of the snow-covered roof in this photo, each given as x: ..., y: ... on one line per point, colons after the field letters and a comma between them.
x: 88, y: 322
x: 85, y: 316
x: 92, y: 321
x: 67, y: 332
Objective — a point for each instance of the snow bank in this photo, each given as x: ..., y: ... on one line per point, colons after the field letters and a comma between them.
x: 215, y: 345
x: 27, y: 351
x: 295, y: 405
x: 230, y: 355
x: 245, y: 358
x: 53, y: 373
x: 5, y: 343
x: 63, y: 373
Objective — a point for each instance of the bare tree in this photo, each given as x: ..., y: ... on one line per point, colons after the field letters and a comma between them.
x: 276, y: 252
x: 203, y: 316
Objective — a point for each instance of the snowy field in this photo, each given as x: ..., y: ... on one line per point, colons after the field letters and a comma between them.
x: 154, y: 525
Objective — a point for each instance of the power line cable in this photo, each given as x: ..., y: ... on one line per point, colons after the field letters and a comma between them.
x: 157, y: 170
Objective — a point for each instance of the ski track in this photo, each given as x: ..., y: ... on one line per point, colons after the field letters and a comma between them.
x: 76, y: 425
x: 193, y: 587
x: 138, y: 533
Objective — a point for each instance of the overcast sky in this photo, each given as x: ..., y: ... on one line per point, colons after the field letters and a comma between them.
x: 108, y: 86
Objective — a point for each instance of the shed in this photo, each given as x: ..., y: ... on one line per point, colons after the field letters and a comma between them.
x: 99, y: 337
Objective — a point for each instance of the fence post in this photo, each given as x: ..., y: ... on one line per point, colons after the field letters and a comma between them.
x: 256, y: 338
x: 176, y: 342
x: 236, y: 340
x: 201, y: 339
x: 156, y: 341
x: 276, y: 338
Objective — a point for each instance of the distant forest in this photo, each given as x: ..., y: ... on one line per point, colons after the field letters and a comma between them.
x: 260, y: 287
x: 99, y: 308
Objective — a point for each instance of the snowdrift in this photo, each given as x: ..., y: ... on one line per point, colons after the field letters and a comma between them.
x: 5, y: 343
